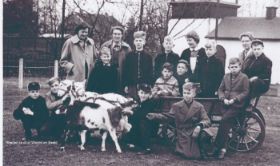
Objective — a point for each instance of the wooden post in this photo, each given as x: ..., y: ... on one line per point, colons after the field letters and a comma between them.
x: 55, y: 68
x: 20, y: 73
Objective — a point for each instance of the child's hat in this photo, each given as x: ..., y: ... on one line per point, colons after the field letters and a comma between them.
x: 33, y: 86
x: 257, y: 42
x: 184, y: 62
x: 145, y: 87
x: 140, y: 34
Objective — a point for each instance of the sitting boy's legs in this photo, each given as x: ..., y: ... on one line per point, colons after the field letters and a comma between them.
x: 257, y: 87
x: 27, y: 126
x: 228, y: 121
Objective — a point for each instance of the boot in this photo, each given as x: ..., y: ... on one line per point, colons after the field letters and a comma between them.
x: 222, y: 154
x: 204, y: 155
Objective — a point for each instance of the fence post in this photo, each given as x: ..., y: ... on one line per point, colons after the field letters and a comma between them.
x: 56, y: 68
x: 20, y: 74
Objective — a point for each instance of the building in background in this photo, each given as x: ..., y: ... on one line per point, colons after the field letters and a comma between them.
x: 202, y: 17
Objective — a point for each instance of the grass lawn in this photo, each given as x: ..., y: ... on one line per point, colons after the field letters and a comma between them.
x: 47, y: 153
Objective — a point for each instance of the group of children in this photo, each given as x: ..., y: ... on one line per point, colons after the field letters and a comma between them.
x: 195, y: 66
x: 167, y: 75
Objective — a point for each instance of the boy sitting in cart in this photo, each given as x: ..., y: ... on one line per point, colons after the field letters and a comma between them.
x: 191, y: 121
x: 167, y: 84
x: 233, y: 92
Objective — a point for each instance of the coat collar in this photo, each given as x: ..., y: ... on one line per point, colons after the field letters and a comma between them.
x: 75, y: 39
x: 190, y: 110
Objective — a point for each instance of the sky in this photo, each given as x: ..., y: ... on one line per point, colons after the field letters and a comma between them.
x: 118, y: 9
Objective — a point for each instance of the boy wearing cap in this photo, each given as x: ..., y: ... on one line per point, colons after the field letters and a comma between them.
x: 104, y: 76
x: 212, y: 72
x: 183, y: 74
x: 32, y: 111
x: 190, y: 119
x: 194, y: 55
x: 258, y: 69
x: 142, y: 128
x: 233, y: 92
x: 167, y: 84
x: 167, y: 56
x: 138, y: 66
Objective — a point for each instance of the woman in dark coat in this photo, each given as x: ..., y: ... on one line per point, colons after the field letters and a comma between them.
x: 195, y: 56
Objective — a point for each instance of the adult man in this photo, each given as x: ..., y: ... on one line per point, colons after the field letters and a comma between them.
x: 118, y: 49
x: 246, y: 40
x: 78, y: 54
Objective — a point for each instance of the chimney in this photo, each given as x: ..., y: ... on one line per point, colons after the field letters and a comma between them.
x: 271, y: 12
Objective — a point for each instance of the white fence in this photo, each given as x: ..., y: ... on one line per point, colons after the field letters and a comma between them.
x: 21, y: 71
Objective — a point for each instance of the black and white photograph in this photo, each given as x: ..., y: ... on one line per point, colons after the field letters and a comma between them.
x: 140, y: 82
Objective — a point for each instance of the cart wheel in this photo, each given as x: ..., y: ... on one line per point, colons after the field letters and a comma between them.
x: 247, y: 136
x: 258, y: 112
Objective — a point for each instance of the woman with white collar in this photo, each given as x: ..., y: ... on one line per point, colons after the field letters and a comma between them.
x: 194, y: 55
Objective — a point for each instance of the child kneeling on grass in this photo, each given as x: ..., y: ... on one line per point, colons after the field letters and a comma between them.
x: 191, y: 121
x: 32, y: 111
x: 142, y: 128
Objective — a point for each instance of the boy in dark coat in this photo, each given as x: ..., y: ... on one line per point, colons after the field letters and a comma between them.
x: 183, y: 74
x: 104, y: 76
x: 138, y: 66
x: 32, y: 111
x: 212, y: 72
x: 142, y: 128
x: 233, y: 92
x: 194, y: 55
x: 167, y: 56
x: 191, y: 121
x: 258, y: 69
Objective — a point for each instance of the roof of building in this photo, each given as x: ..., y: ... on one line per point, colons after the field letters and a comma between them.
x: 262, y: 28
